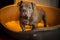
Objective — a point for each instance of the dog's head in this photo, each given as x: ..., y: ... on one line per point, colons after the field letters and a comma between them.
x: 26, y: 8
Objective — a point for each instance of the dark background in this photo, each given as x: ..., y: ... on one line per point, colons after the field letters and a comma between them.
x: 6, y: 2
x: 59, y: 4
x: 9, y: 2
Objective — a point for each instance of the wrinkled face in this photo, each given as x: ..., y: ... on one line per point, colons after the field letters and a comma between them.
x: 26, y: 8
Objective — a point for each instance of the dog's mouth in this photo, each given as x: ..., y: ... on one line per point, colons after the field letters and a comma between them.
x: 24, y: 14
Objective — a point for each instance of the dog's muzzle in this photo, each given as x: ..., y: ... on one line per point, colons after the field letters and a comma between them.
x: 24, y: 14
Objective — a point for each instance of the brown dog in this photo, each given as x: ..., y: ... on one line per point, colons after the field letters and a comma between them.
x: 30, y: 15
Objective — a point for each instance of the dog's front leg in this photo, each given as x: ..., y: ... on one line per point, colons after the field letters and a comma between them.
x: 44, y: 20
x: 23, y: 27
x: 34, y: 26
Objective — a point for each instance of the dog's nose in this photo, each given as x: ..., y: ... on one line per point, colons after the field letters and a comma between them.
x: 24, y: 10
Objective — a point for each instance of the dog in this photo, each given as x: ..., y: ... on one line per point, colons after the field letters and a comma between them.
x: 30, y: 15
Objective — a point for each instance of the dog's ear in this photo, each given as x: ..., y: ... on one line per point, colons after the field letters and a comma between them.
x: 33, y: 5
x: 19, y: 3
